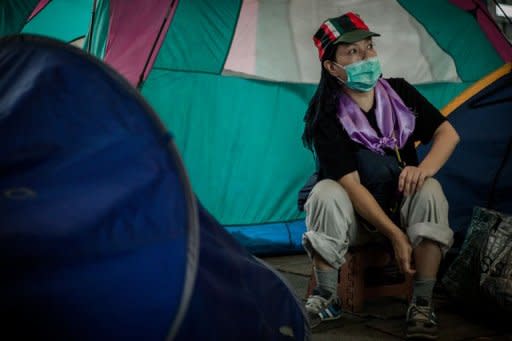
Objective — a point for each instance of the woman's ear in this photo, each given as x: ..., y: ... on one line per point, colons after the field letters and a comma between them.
x: 329, y: 66
x: 333, y: 69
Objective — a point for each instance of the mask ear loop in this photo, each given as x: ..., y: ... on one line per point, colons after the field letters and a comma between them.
x: 341, y: 81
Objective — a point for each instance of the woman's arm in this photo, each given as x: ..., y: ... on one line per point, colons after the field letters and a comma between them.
x: 365, y: 204
x: 445, y: 139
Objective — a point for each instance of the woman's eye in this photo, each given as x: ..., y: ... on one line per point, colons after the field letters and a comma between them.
x: 352, y: 51
x: 370, y: 46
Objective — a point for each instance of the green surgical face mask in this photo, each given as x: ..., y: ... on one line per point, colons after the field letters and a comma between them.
x: 363, y: 75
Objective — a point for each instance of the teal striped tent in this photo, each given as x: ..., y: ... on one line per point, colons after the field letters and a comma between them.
x: 231, y: 80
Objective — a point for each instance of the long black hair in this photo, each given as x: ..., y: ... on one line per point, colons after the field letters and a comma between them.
x: 324, y: 101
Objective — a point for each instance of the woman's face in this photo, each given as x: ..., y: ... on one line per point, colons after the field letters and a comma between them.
x: 349, y: 53
x: 352, y: 53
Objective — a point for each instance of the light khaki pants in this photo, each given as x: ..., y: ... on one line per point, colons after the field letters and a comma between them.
x: 333, y: 227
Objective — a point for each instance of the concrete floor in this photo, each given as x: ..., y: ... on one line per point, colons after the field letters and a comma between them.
x: 382, y: 319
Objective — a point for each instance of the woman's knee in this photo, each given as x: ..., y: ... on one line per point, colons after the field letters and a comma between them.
x: 329, y: 210
x: 328, y: 192
x: 431, y: 191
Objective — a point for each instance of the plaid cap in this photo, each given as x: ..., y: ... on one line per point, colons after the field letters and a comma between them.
x: 347, y: 28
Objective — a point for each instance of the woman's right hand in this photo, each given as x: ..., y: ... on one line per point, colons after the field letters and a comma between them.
x: 403, y: 252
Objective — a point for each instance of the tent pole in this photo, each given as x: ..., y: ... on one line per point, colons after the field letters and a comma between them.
x: 91, y: 29
x: 502, y: 11
x: 488, y: 15
x: 32, y: 16
x: 153, y: 47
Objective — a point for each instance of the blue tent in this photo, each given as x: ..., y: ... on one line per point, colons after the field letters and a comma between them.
x: 479, y: 173
x: 101, y: 236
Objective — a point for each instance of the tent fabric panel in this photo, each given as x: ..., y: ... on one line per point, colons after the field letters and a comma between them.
x: 243, y: 57
x: 496, y: 37
x: 270, y: 239
x: 84, y: 195
x: 38, y: 8
x: 275, y: 38
x: 476, y: 88
x: 199, y: 36
x: 54, y: 151
x: 501, y: 196
x: 240, y: 139
x: 231, y: 277
x: 485, y: 127
x: 63, y: 20
x: 134, y: 28
x: 128, y: 297
x: 458, y: 37
x: 283, y: 50
x: 497, y: 99
x: 97, y: 213
x: 490, y: 28
x: 441, y: 94
x: 14, y: 14
x: 161, y: 38
x: 79, y: 42
x: 96, y: 39
x: 296, y: 230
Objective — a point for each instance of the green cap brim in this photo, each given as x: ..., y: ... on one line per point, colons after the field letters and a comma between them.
x: 356, y: 35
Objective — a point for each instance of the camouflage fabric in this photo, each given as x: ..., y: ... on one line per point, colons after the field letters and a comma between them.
x: 482, y: 271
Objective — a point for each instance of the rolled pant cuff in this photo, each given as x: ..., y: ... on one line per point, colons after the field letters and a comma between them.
x: 432, y: 231
x: 330, y: 249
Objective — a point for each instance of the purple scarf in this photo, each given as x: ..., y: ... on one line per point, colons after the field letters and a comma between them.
x: 395, y: 121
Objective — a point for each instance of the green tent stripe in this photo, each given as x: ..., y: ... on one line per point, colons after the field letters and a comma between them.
x: 178, y: 70
x: 14, y: 14
x: 99, y: 29
x: 199, y: 36
x: 440, y: 94
x: 457, y: 33
x: 240, y: 140
x: 63, y: 20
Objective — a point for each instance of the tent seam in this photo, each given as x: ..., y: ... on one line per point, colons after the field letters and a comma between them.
x: 233, y: 30
x: 437, y: 42
x: 284, y: 222
x: 27, y: 20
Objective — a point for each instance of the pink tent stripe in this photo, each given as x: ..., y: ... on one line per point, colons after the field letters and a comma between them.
x: 133, y: 34
x: 495, y: 36
x: 161, y: 39
x: 38, y: 8
x: 242, y: 55
x: 490, y: 29
x: 464, y: 4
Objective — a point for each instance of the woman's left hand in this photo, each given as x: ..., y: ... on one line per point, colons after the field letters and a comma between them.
x: 411, y: 179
